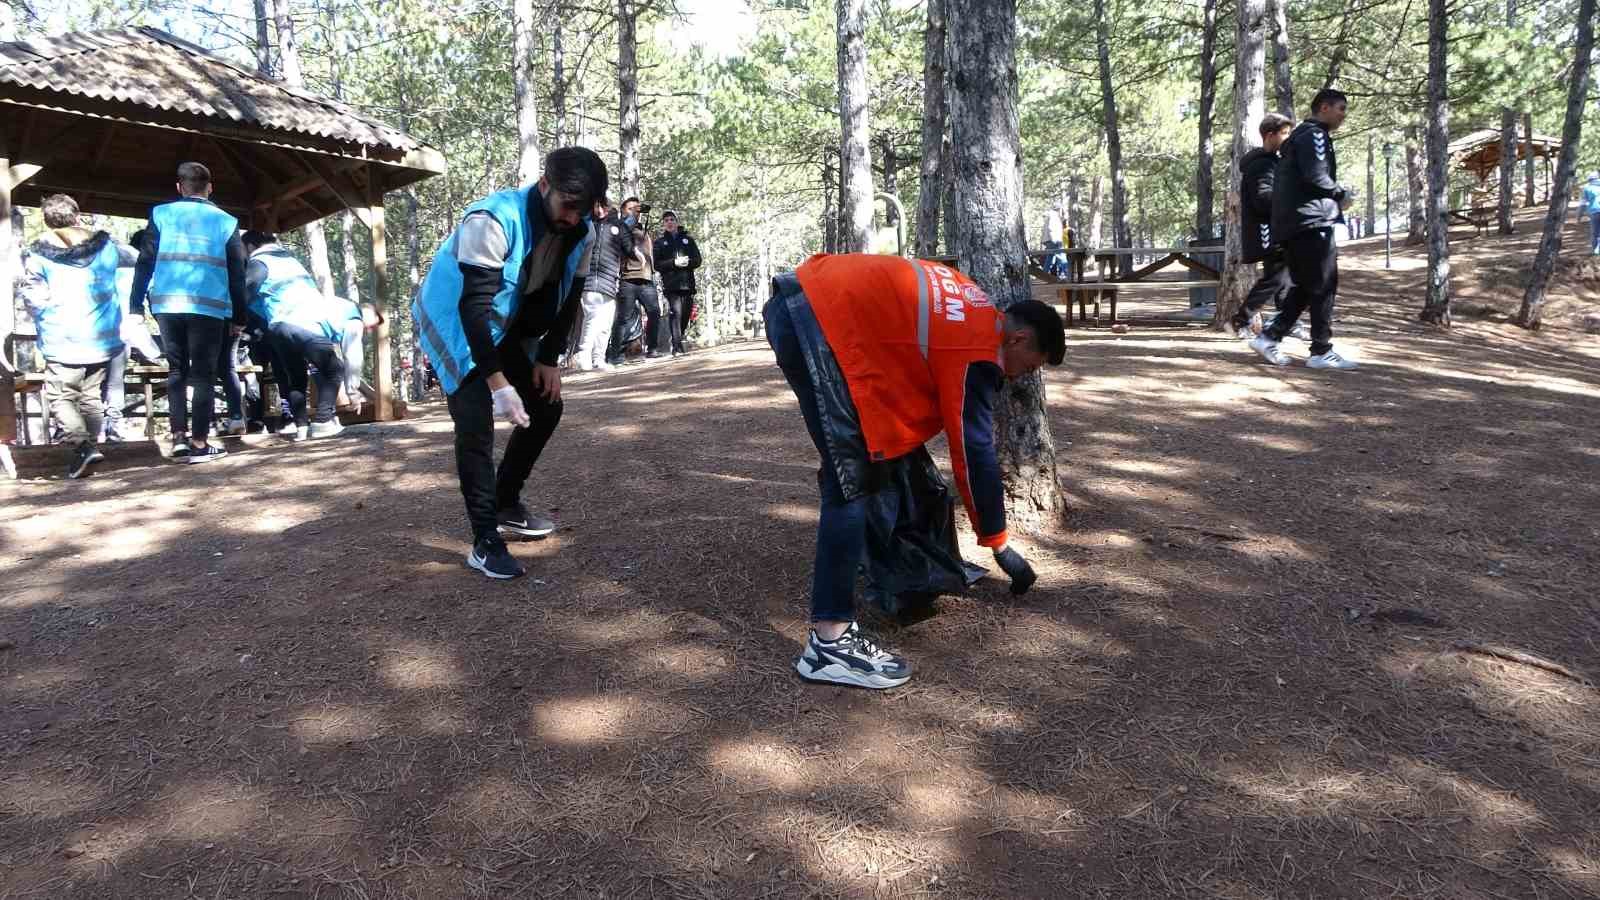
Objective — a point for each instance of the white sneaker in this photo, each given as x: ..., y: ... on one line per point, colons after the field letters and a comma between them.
x: 604, y: 367
x: 330, y: 428
x: 301, y: 433
x: 288, y: 430
x: 854, y: 660
x: 1299, y: 332
x: 1268, y: 348
x: 233, y: 427
x: 1329, y: 360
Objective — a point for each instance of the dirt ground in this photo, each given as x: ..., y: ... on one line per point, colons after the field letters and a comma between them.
x: 1261, y: 660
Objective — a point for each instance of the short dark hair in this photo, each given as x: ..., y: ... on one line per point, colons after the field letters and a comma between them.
x: 578, y: 171
x: 60, y: 211
x: 632, y: 200
x: 255, y: 238
x: 1272, y: 123
x: 1049, y: 336
x: 193, y: 177
x: 1325, y: 97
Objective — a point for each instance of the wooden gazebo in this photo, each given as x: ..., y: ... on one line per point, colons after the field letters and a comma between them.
x: 1479, y: 152
x: 107, y: 116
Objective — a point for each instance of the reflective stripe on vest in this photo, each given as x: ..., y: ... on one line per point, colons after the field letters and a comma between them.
x: 924, y: 308
x: 289, y: 293
x: 436, y: 310
x: 82, y: 324
x: 191, y: 272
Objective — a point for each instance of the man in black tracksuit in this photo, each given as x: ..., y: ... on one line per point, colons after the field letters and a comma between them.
x: 1307, y: 201
x: 677, y: 256
x: 1256, y: 172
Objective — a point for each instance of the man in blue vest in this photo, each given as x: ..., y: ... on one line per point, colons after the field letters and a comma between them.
x: 191, y: 267
x: 300, y: 322
x: 493, y: 316
x: 70, y: 288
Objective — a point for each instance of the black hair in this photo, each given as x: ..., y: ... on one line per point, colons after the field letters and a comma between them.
x: 632, y: 200
x: 578, y: 171
x: 193, y: 177
x: 1049, y: 336
x: 60, y: 211
x: 1325, y: 97
x: 1272, y: 123
x: 256, y: 238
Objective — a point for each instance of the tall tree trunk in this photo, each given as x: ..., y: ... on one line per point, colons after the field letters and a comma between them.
x: 993, y: 249
x: 289, y: 60
x: 1341, y: 47
x: 1530, y: 195
x: 1436, y: 309
x: 830, y: 207
x: 891, y: 176
x: 263, y: 46
x: 1508, y: 163
x: 1279, y: 10
x: 1119, y: 187
x: 529, y: 165
x: 628, y: 94
x: 855, y: 157
x: 1069, y: 218
x: 934, y: 115
x: 1571, y: 134
x: 1372, y: 194
x: 347, y: 248
x: 1249, y: 104
x: 1416, y: 188
x: 558, y: 79
x: 1096, y: 209
x: 1204, y: 191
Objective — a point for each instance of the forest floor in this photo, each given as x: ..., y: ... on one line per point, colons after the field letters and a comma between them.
x: 1288, y: 643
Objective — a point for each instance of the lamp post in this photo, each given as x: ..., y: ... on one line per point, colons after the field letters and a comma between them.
x: 1388, y: 217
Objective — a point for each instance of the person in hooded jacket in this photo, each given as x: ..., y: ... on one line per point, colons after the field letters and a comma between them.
x: 69, y: 286
x: 1307, y: 202
x: 1257, y: 172
x: 677, y: 256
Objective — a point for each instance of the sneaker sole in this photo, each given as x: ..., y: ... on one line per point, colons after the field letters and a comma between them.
x: 196, y: 460
x: 529, y: 533
x: 482, y: 565
x: 846, y: 677
x: 82, y: 471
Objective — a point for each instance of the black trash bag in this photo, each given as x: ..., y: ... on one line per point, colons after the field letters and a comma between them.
x: 912, y: 555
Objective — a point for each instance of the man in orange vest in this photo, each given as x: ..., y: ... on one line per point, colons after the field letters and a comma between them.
x: 884, y: 353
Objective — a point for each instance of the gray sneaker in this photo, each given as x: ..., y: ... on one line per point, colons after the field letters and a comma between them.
x: 516, y: 521
x: 854, y: 660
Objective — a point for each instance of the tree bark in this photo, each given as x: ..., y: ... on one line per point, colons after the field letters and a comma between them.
x: 1530, y: 196
x: 1571, y: 134
x: 1279, y: 9
x: 1204, y: 189
x: 993, y: 249
x: 1096, y: 209
x: 855, y: 162
x: 289, y: 60
x: 1372, y: 198
x: 347, y: 248
x: 1416, y: 188
x: 934, y: 115
x: 891, y: 176
x: 525, y: 97
x: 263, y: 46
x: 830, y: 208
x: 628, y: 95
x: 1069, y: 217
x: 1119, y: 187
x: 1249, y: 104
x: 558, y: 79
x: 1436, y: 309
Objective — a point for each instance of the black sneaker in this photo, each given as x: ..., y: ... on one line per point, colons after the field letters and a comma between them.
x: 516, y: 521
x: 490, y: 556
x: 180, y: 448
x: 206, y: 453
x: 82, y: 458
x: 853, y: 660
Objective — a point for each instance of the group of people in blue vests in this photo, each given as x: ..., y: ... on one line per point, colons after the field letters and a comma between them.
x: 206, y: 285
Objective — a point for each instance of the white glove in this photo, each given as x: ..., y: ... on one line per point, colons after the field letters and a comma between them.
x: 681, y: 261
x: 508, y: 406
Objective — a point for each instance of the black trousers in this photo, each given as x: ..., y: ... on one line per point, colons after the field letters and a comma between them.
x: 485, y: 490
x: 1273, y: 286
x: 1313, y: 259
x: 679, y: 306
x: 191, y: 343
x: 655, y: 326
x: 297, y: 347
x: 626, y: 324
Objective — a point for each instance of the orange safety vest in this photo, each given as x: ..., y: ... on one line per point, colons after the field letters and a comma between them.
x: 904, y: 333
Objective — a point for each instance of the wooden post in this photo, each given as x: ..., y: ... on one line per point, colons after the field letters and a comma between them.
x: 382, y: 373
x: 10, y: 177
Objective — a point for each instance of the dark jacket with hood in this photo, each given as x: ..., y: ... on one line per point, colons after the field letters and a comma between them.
x: 1306, y: 193
x: 676, y: 279
x: 612, y: 244
x: 1256, y: 174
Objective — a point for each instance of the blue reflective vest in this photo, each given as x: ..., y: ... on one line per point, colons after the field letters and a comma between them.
x: 289, y: 293
x: 81, y: 324
x: 191, y: 274
x: 436, y: 310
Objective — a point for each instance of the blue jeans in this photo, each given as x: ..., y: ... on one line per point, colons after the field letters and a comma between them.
x: 842, y: 527
x: 1594, y: 233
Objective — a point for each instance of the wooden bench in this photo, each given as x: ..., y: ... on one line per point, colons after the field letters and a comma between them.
x: 1478, y: 218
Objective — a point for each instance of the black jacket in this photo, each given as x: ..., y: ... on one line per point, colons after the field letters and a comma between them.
x: 612, y: 243
x: 1256, y: 173
x: 677, y: 279
x: 1306, y: 192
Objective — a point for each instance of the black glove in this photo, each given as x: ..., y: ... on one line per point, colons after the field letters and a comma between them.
x: 1017, y: 568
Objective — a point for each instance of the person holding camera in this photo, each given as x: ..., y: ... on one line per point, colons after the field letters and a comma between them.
x: 677, y: 256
